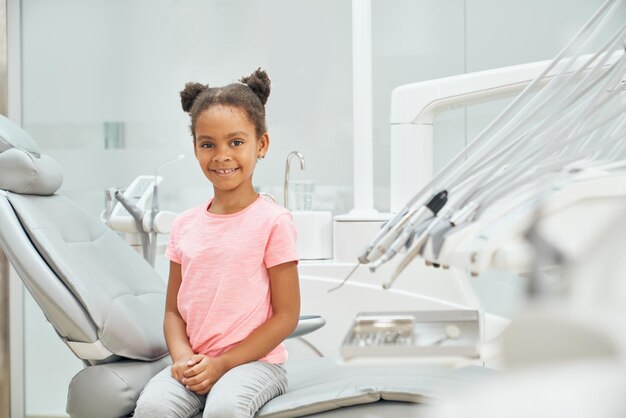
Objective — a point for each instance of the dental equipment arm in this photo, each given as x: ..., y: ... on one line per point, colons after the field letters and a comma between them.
x: 145, y: 223
x: 155, y: 209
x: 137, y: 215
x: 557, y: 124
x: 453, y: 170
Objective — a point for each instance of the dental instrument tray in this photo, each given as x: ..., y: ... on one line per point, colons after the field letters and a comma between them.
x: 413, y: 334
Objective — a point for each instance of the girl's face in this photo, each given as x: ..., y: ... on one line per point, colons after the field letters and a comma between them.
x: 227, y: 148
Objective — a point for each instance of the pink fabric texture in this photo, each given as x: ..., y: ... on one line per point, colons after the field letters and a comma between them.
x: 225, y: 289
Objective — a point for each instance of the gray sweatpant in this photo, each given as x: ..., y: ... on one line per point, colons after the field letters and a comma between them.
x: 240, y: 393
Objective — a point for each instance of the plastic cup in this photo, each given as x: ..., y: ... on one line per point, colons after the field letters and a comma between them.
x: 301, y: 195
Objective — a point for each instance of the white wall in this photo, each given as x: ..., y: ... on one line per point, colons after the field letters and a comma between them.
x: 87, y: 62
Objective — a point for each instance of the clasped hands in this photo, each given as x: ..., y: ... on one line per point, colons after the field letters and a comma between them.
x: 198, y: 373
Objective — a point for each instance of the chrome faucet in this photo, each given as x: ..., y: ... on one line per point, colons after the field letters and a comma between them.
x: 286, y: 191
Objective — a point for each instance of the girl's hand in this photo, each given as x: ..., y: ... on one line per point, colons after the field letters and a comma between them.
x: 202, y: 372
x: 179, y: 367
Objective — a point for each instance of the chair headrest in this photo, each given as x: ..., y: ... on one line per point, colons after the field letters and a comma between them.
x: 23, y: 168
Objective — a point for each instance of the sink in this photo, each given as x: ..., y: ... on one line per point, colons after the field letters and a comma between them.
x: 315, y: 234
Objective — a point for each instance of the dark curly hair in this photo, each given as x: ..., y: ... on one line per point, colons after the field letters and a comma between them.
x: 250, y: 95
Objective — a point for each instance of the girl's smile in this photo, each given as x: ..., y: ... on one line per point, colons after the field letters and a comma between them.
x: 224, y: 172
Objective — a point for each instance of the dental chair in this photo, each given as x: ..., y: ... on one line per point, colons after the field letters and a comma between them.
x: 106, y: 303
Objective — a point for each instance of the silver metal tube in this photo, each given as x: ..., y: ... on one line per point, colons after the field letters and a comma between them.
x: 5, y: 360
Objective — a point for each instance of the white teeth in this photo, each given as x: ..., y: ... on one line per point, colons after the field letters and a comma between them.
x: 228, y: 171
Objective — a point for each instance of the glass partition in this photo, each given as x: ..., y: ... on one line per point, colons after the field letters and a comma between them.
x: 101, y: 83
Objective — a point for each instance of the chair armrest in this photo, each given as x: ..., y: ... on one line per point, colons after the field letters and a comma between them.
x: 308, y: 324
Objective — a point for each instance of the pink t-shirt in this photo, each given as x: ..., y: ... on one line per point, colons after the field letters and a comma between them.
x: 225, y: 289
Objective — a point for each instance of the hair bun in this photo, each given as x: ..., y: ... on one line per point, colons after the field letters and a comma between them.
x: 189, y: 94
x: 259, y: 83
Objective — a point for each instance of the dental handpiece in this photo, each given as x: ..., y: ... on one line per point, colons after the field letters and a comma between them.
x: 388, y: 228
x: 393, y: 234
x: 385, y: 242
x: 402, y: 240
x: 434, y: 206
x: 417, y: 246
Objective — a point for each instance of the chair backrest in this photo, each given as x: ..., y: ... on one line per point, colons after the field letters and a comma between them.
x: 101, y: 296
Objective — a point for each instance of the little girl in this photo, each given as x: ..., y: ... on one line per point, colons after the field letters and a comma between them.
x: 233, y: 293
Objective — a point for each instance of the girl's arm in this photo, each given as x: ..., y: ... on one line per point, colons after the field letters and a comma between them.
x: 174, y: 327
x: 285, y: 294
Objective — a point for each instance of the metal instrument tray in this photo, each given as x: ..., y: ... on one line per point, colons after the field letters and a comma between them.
x: 415, y: 333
